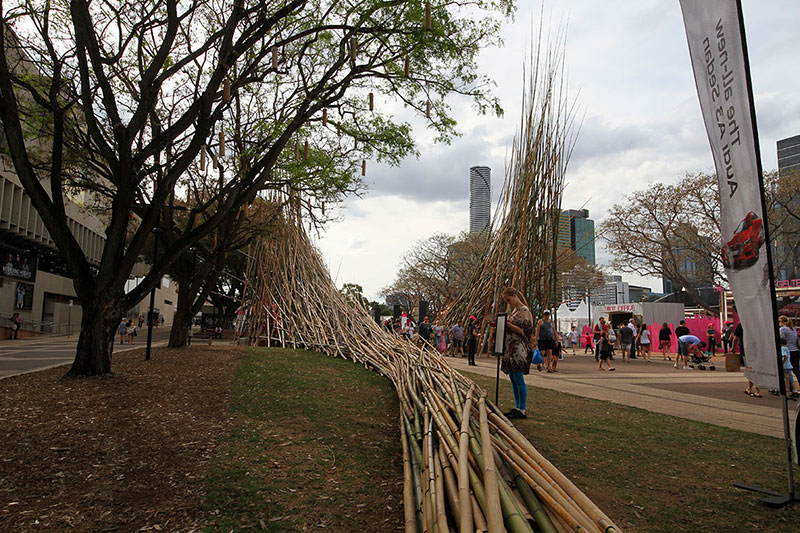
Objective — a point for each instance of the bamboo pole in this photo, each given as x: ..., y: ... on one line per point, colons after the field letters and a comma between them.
x: 494, y: 513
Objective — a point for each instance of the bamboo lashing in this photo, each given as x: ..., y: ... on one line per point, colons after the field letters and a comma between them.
x: 464, y: 463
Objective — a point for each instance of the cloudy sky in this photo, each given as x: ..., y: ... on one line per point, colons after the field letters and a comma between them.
x: 628, y: 65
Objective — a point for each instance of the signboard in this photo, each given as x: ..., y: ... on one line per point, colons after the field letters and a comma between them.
x: 714, y: 32
x: 621, y: 308
x: 17, y: 264
x: 23, y: 297
x: 500, y: 334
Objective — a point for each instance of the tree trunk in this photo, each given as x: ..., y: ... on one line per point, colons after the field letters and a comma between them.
x: 182, y: 320
x: 98, y: 330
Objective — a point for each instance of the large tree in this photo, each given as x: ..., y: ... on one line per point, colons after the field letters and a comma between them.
x: 436, y: 269
x: 124, y: 97
x: 673, y: 230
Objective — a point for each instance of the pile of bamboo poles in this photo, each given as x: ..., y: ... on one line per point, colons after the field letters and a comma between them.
x: 523, y: 249
x: 466, y: 467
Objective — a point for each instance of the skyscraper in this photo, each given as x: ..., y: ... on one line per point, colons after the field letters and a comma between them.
x: 576, y: 231
x: 786, y: 250
x: 480, y: 199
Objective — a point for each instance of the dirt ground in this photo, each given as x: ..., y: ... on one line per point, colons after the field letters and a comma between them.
x: 127, y: 452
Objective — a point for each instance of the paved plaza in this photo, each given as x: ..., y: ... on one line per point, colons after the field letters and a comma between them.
x: 713, y: 397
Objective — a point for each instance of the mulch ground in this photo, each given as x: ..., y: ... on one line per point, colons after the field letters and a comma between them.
x: 127, y: 452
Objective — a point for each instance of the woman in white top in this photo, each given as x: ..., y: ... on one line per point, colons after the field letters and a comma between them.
x: 644, y: 342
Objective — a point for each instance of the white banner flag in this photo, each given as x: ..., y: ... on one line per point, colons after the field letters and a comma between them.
x: 716, y: 46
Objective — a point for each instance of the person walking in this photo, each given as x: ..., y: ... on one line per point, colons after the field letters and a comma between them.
x: 727, y: 336
x: 711, y: 333
x: 472, y: 340
x: 604, y: 352
x: 123, y: 331
x: 516, y: 361
x: 738, y: 342
x: 131, y: 331
x: 14, y: 324
x: 457, y: 345
x: 599, y: 328
x: 437, y: 336
x: 625, y: 340
x: 635, y: 330
x: 644, y: 342
x: 789, y: 334
x: 664, y: 341
x: 574, y: 339
x: 587, y: 344
x: 546, y: 339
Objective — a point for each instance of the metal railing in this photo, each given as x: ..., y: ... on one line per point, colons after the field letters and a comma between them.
x: 52, y: 329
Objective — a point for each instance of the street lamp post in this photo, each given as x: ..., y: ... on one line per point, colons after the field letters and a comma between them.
x: 152, y: 299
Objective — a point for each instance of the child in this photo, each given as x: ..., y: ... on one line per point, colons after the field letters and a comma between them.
x: 587, y: 342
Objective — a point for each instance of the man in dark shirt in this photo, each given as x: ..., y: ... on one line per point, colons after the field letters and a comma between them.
x: 425, y: 330
x: 682, y: 330
x: 625, y: 340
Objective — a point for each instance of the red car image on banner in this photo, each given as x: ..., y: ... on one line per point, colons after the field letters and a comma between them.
x: 742, y: 250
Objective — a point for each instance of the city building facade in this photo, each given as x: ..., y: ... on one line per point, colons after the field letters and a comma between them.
x: 787, y: 250
x: 576, y: 231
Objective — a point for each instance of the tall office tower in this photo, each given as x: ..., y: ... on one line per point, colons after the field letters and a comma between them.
x: 786, y: 254
x: 576, y: 231
x: 480, y: 199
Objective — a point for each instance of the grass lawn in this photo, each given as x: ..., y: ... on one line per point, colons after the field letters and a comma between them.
x: 654, y: 472
x: 315, y: 445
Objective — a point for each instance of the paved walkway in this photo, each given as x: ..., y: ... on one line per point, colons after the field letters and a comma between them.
x: 39, y: 353
x: 712, y: 397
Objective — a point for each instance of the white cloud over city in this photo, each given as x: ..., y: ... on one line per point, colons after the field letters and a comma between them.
x: 628, y: 66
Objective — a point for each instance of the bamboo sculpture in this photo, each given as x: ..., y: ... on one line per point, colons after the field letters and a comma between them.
x: 466, y: 467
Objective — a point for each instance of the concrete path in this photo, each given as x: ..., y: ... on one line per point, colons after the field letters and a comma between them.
x: 712, y: 397
x: 39, y: 353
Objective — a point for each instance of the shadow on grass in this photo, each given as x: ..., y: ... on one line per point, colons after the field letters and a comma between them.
x: 315, y: 445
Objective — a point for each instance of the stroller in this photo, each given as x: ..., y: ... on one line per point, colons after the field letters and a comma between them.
x: 701, y: 361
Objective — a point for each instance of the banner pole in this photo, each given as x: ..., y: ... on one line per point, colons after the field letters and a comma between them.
x: 779, y: 359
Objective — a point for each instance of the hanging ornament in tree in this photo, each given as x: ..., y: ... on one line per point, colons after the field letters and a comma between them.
x: 406, y: 67
x: 323, y: 208
x: 428, y: 109
x: 226, y: 90
x: 371, y: 102
x: 363, y: 167
x: 214, y: 162
x: 221, y: 143
x: 305, y: 151
x: 296, y: 151
x: 203, y: 158
x: 355, y: 143
x: 338, y: 130
x: 353, y: 50
x: 325, y: 117
x: 428, y: 24
x: 275, y: 57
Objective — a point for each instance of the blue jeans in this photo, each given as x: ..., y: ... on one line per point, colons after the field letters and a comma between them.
x: 519, y: 388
